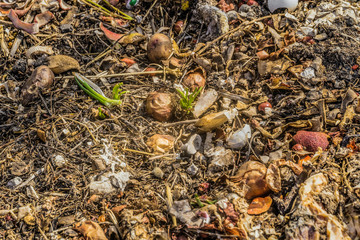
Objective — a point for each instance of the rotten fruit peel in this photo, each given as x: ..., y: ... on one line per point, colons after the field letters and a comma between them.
x: 90, y: 230
x: 253, y: 174
x: 259, y: 205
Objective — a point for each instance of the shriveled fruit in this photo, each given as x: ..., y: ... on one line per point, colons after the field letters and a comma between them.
x: 161, y: 143
x: 41, y: 78
x: 159, y: 48
x: 311, y: 140
x: 253, y: 174
x: 194, y: 79
x: 159, y: 106
x: 259, y: 205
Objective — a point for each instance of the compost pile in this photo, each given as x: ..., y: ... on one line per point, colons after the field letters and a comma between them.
x: 184, y: 119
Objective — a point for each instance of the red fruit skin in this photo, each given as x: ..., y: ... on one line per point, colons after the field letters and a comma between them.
x: 264, y: 105
x: 311, y: 140
x: 178, y: 27
x: 297, y: 147
x: 252, y: 3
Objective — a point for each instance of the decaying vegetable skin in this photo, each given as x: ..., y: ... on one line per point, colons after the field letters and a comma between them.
x: 311, y: 220
x: 161, y: 143
x: 253, y: 174
x: 41, y: 78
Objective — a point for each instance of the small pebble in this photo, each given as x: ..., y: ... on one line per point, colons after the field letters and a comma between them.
x: 59, y: 161
x: 158, y: 172
x: 66, y: 131
x: 14, y: 182
x: 193, y: 145
x: 65, y: 28
x: 192, y: 170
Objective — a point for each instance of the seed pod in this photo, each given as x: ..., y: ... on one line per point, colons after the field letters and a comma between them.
x: 41, y: 78
x: 159, y: 48
x: 159, y: 106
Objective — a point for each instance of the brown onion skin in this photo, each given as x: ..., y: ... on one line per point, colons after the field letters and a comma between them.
x: 159, y: 48
x: 160, y: 106
x: 194, y: 80
x: 41, y: 78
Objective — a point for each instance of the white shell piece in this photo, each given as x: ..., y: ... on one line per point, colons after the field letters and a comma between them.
x: 289, y: 4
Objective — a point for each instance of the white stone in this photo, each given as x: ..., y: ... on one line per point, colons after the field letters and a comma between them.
x: 289, y: 4
x: 192, y: 170
x: 193, y: 145
x: 60, y: 161
x: 240, y: 138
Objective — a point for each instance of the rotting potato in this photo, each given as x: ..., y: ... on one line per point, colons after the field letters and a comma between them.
x: 41, y: 78
x: 160, y: 106
x: 159, y: 48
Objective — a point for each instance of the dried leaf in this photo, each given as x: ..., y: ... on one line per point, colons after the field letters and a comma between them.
x: 90, y: 230
x: 41, y: 134
x: 132, y: 38
x: 273, y: 178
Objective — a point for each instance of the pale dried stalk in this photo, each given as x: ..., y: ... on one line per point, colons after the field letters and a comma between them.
x: 169, y: 201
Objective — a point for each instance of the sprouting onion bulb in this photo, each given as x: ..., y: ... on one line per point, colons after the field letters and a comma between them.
x: 159, y: 48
